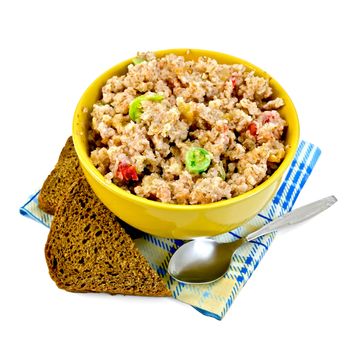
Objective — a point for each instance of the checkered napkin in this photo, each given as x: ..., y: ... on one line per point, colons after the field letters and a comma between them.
x: 214, y: 299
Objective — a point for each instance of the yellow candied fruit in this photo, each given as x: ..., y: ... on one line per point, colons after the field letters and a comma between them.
x: 186, y: 112
x: 276, y: 157
x: 228, y: 116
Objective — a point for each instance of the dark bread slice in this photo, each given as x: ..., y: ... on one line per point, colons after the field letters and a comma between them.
x: 66, y: 171
x: 88, y: 251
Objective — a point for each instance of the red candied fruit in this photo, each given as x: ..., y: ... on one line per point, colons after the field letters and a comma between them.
x: 126, y: 172
x: 252, y: 128
x: 234, y: 82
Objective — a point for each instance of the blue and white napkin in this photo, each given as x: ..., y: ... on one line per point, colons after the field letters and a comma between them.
x: 214, y: 299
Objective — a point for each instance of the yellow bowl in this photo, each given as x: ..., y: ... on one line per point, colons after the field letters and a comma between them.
x: 175, y: 220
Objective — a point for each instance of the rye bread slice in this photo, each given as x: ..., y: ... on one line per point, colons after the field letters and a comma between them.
x: 88, y: 251
x: 66, y: 171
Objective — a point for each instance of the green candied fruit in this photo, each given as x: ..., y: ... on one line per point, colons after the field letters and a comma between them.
x: 221, y: 171
x: 135, y: 107
x: 197, y: 160
x: 137, y: 60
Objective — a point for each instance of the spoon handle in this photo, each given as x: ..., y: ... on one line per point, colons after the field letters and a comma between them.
x: 298, y: 215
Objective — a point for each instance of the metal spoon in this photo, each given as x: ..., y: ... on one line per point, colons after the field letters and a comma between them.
x: 205, y: 260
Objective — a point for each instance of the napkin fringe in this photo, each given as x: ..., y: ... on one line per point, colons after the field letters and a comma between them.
x: 215, y: 299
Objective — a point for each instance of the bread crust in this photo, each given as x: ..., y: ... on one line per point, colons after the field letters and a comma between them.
x: 66, y: 171
x: 87, y: 250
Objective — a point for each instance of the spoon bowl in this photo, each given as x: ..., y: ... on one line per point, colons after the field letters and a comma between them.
x: 202, y: 260
x: 205, y: 260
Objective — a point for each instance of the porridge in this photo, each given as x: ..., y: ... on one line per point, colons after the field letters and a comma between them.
x: 187, y: 132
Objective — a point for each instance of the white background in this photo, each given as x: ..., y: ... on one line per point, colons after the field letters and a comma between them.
x: 51, y: 51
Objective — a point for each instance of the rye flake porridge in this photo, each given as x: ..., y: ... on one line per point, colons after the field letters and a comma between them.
x: 186, y: 132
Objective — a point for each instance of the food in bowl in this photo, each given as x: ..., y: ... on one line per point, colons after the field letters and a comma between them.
x: 187, y: 132
x: 176, y: 220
